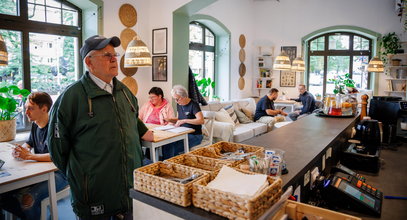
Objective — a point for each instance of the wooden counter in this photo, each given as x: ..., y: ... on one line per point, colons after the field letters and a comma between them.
x: 306, y: 142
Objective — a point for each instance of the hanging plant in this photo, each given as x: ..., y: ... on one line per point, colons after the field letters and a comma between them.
x: 401, y: 12
x: 388, y: 44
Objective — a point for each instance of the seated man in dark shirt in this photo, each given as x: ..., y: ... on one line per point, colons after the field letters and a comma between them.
x: 266, y: 112
x: 26, y: 202
x: 308, y: 103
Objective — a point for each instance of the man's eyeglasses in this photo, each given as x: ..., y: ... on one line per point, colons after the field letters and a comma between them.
x: 108, y: 55
x: 177, y: 99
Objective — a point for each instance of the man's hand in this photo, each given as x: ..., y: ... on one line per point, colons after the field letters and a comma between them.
x: 180, y: 122
x: 22, y: 153
x: 282, y: 113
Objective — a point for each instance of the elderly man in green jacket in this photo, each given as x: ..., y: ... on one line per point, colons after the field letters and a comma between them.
x: 94, y: 135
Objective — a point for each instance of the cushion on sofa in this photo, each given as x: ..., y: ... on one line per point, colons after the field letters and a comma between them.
x: 248, y: 113
x: 242, y: 117
x: 258, y: 128
x: 223, y: 116
x: 242, y: 132
x: 231, y: 111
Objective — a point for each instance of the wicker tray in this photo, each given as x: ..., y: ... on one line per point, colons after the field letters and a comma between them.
x: 233, y: 206
x: 148, y: 179
x: 203, y: 163
x: 215, y: 150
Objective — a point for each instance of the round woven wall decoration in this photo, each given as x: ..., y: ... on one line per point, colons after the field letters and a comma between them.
x: 241, y: 83
x: 242, y: 69
x: 131, y: 83
x: 126, y: 36
x: 128, y: 15
x: 242, y: 41
x: 127, y: 71
x: 242, y: 55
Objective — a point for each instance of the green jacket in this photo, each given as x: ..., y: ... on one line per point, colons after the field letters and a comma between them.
x: 94, y: 138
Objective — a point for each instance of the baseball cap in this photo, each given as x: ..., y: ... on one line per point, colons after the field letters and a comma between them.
x: 98, y: 42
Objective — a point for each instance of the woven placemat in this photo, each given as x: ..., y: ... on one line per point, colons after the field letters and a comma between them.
x: 131, y: 83
x: 128, y: 15
x: 242, y: 55
x: 242, y: 69
x: 241, y: 83
x: 126, y: 36
x: 242, y: 41
x: 127, y: 71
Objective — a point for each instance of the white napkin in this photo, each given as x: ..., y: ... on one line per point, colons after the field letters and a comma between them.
x: 230, y: 180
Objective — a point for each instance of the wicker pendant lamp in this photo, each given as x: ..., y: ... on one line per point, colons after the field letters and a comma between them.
x: 137, y: 54
x: 282, y: 62
x: 3, y: 52
x: 375, y: 65
x: 298, y: 65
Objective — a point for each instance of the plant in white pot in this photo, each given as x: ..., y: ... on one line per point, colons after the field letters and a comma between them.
x: 9, y: 101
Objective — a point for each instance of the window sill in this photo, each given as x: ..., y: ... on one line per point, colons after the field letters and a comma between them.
x: 21, y: 138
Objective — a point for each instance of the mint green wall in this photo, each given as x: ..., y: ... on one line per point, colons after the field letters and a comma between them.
x: 181, y: 18
x: 374, y: 80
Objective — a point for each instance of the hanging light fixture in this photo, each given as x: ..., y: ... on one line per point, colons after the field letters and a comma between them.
x: 375, y: 65
x: 298, y: 65
x: 3, y: 52
x: 282, y: 62
x: 137, y: 54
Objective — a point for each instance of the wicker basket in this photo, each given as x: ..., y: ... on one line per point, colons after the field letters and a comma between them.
x: 203, y: 163
x: 233, y: 206
x: 216, y: 150
x: 148, y: 179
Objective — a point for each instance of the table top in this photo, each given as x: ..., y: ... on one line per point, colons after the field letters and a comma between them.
x: 164, y: 135
x: 23, y: 169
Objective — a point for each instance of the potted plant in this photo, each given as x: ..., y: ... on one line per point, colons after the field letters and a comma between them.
x: 389, y: 44
x: 9, y: 101
x: 343, y: 83
x: 204, y: 85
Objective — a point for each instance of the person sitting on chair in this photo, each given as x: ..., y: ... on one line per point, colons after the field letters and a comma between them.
x: 26, y: 202
x: 308, y: 103
x: 157, y: 109
x: 266, y: 112
x: 189, y: 115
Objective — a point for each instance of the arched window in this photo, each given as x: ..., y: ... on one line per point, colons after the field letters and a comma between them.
x: 202, y: 52
x: 335, y: 54
x: 43, y: 38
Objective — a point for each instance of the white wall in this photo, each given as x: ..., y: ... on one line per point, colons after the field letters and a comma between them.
x: 265, y: 23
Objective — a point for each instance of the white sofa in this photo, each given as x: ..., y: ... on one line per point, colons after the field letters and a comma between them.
x: 235, y: 133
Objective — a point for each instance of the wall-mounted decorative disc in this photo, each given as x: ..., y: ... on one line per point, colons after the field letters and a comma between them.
x: 127, y: 71
x: 128, y: 15
x: 131, y: 83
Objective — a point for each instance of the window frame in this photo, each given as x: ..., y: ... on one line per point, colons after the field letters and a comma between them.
x: 326, y: 52
x: 204, y: 48
x: 22, y: 24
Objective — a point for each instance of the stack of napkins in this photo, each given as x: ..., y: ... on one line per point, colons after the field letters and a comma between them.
x: 230, y: 180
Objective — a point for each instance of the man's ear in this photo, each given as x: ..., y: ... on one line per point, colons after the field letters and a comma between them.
x: 88, y: 62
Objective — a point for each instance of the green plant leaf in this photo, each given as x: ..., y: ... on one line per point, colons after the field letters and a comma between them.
x: 25, y: 92
x: 4, y: 89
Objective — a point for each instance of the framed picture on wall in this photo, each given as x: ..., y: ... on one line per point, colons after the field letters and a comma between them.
x: 287, y: 78
x: 159, y: 68
x: 291, y: 51
x: 160, y: 41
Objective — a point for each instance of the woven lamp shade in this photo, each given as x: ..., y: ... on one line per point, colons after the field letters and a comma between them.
x: 3, y: 52
x: 137, y: 54
x: 282, y: 62
x: 298, y: 65
x: 375, y: 65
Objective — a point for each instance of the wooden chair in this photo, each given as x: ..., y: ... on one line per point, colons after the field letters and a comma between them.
x: 45, y: 202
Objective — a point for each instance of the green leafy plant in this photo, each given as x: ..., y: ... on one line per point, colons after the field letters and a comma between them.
x: 389, y: 44
x: 9, y: 96
x: 204, y: 85
x: 342, y: 82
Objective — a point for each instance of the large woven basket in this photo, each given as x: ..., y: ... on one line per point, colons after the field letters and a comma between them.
x: 7, y: 130
x: 233, y: 206
x: 148, y: 179
x: 216, y: 150
x: 204, y: 163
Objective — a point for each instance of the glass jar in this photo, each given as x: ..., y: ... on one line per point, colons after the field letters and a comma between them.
x: 349, y: 104
x: 335, y: 106
x: 327, y: 102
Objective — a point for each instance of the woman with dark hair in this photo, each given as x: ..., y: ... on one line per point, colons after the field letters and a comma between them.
x: 157, y: 109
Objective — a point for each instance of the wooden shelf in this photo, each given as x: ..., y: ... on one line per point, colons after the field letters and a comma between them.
x: 397, y: 79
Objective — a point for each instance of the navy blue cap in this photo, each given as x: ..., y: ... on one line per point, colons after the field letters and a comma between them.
x: 98, y: 42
